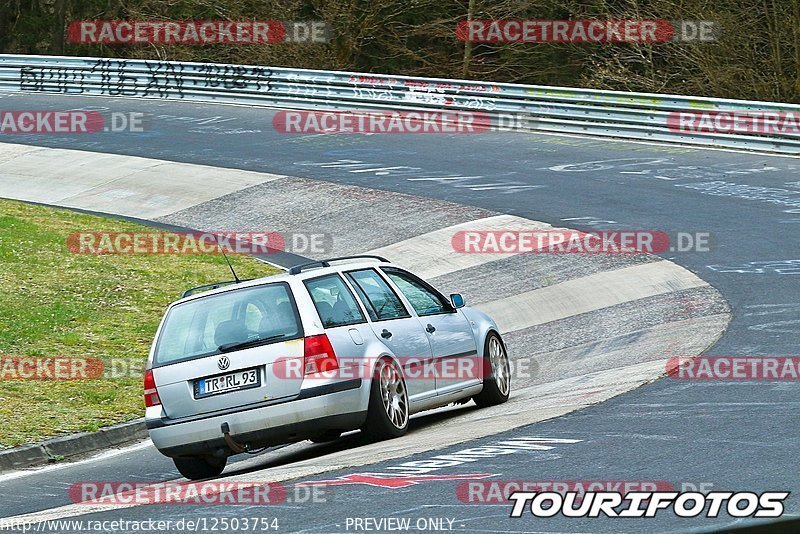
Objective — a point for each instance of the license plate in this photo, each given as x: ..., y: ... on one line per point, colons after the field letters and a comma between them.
x: 235, y: 381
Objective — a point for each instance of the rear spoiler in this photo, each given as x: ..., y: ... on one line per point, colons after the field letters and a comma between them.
x: 207, y: 287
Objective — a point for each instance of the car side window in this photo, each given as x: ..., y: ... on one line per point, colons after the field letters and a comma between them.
x: 422, y: 297
x: 378, y: 297
x: 334, y: 302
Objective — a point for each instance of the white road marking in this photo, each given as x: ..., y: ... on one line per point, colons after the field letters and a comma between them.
x: 432, y: 254
x: 124, y: 185
x: 376, y: 169
x: 589, y: 293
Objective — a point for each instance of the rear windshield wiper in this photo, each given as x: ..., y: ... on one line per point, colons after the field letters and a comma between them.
x: 227, y: 347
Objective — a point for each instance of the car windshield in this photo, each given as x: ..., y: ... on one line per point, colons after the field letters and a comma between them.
x: 227, y: 321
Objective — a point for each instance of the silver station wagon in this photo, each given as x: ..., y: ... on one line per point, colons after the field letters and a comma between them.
x: 329, y: 347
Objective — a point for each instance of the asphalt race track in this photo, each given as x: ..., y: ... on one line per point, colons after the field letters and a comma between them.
x: 729, y: 435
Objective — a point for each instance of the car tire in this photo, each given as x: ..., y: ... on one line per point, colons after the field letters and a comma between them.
x: 388, y: 412
x: 327, y: 437
x: 199, y: 467
x: 496, y: 373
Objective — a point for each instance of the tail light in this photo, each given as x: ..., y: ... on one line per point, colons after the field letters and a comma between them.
x: 318, y: 355
x: 150, y: 391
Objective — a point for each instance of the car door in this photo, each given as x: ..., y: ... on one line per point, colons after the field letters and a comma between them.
x: 398, y: 329
x: 343, y: 321
x: 452, y: 342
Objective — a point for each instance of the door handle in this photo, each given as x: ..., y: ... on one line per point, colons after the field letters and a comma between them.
x: 430, y: 328
x: 386, y: 334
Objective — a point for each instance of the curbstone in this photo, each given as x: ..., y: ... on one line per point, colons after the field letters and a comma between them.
x: 23, y: 457
x: 125, y: 433
x: 67, y: 447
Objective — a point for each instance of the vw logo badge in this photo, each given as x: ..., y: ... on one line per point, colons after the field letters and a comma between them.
x: 223, y: 363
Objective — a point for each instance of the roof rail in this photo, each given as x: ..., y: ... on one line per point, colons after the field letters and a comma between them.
x: 297, y: 269
x: 215, y: 285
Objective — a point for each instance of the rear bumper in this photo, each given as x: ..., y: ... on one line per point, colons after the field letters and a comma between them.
x: 343, y: 407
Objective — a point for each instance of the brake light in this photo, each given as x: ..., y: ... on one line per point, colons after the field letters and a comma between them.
x: 318, y: 355
x: 150, y: 392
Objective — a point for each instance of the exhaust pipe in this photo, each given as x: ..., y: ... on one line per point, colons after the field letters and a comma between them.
x: 234, y: 445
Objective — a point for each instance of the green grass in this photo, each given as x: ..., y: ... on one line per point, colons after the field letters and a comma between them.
x: 56, y: 303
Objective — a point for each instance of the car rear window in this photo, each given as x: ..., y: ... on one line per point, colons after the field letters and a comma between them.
x: 199, y: 327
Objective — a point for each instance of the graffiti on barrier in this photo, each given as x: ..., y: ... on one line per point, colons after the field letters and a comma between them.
x: 160, y: 79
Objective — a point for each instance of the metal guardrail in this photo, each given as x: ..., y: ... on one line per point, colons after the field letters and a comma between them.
x: 639, y: 116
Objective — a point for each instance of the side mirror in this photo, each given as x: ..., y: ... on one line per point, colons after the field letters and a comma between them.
x: 457, y: 300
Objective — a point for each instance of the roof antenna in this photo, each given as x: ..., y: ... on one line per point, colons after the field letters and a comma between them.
x: 216, y: 238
